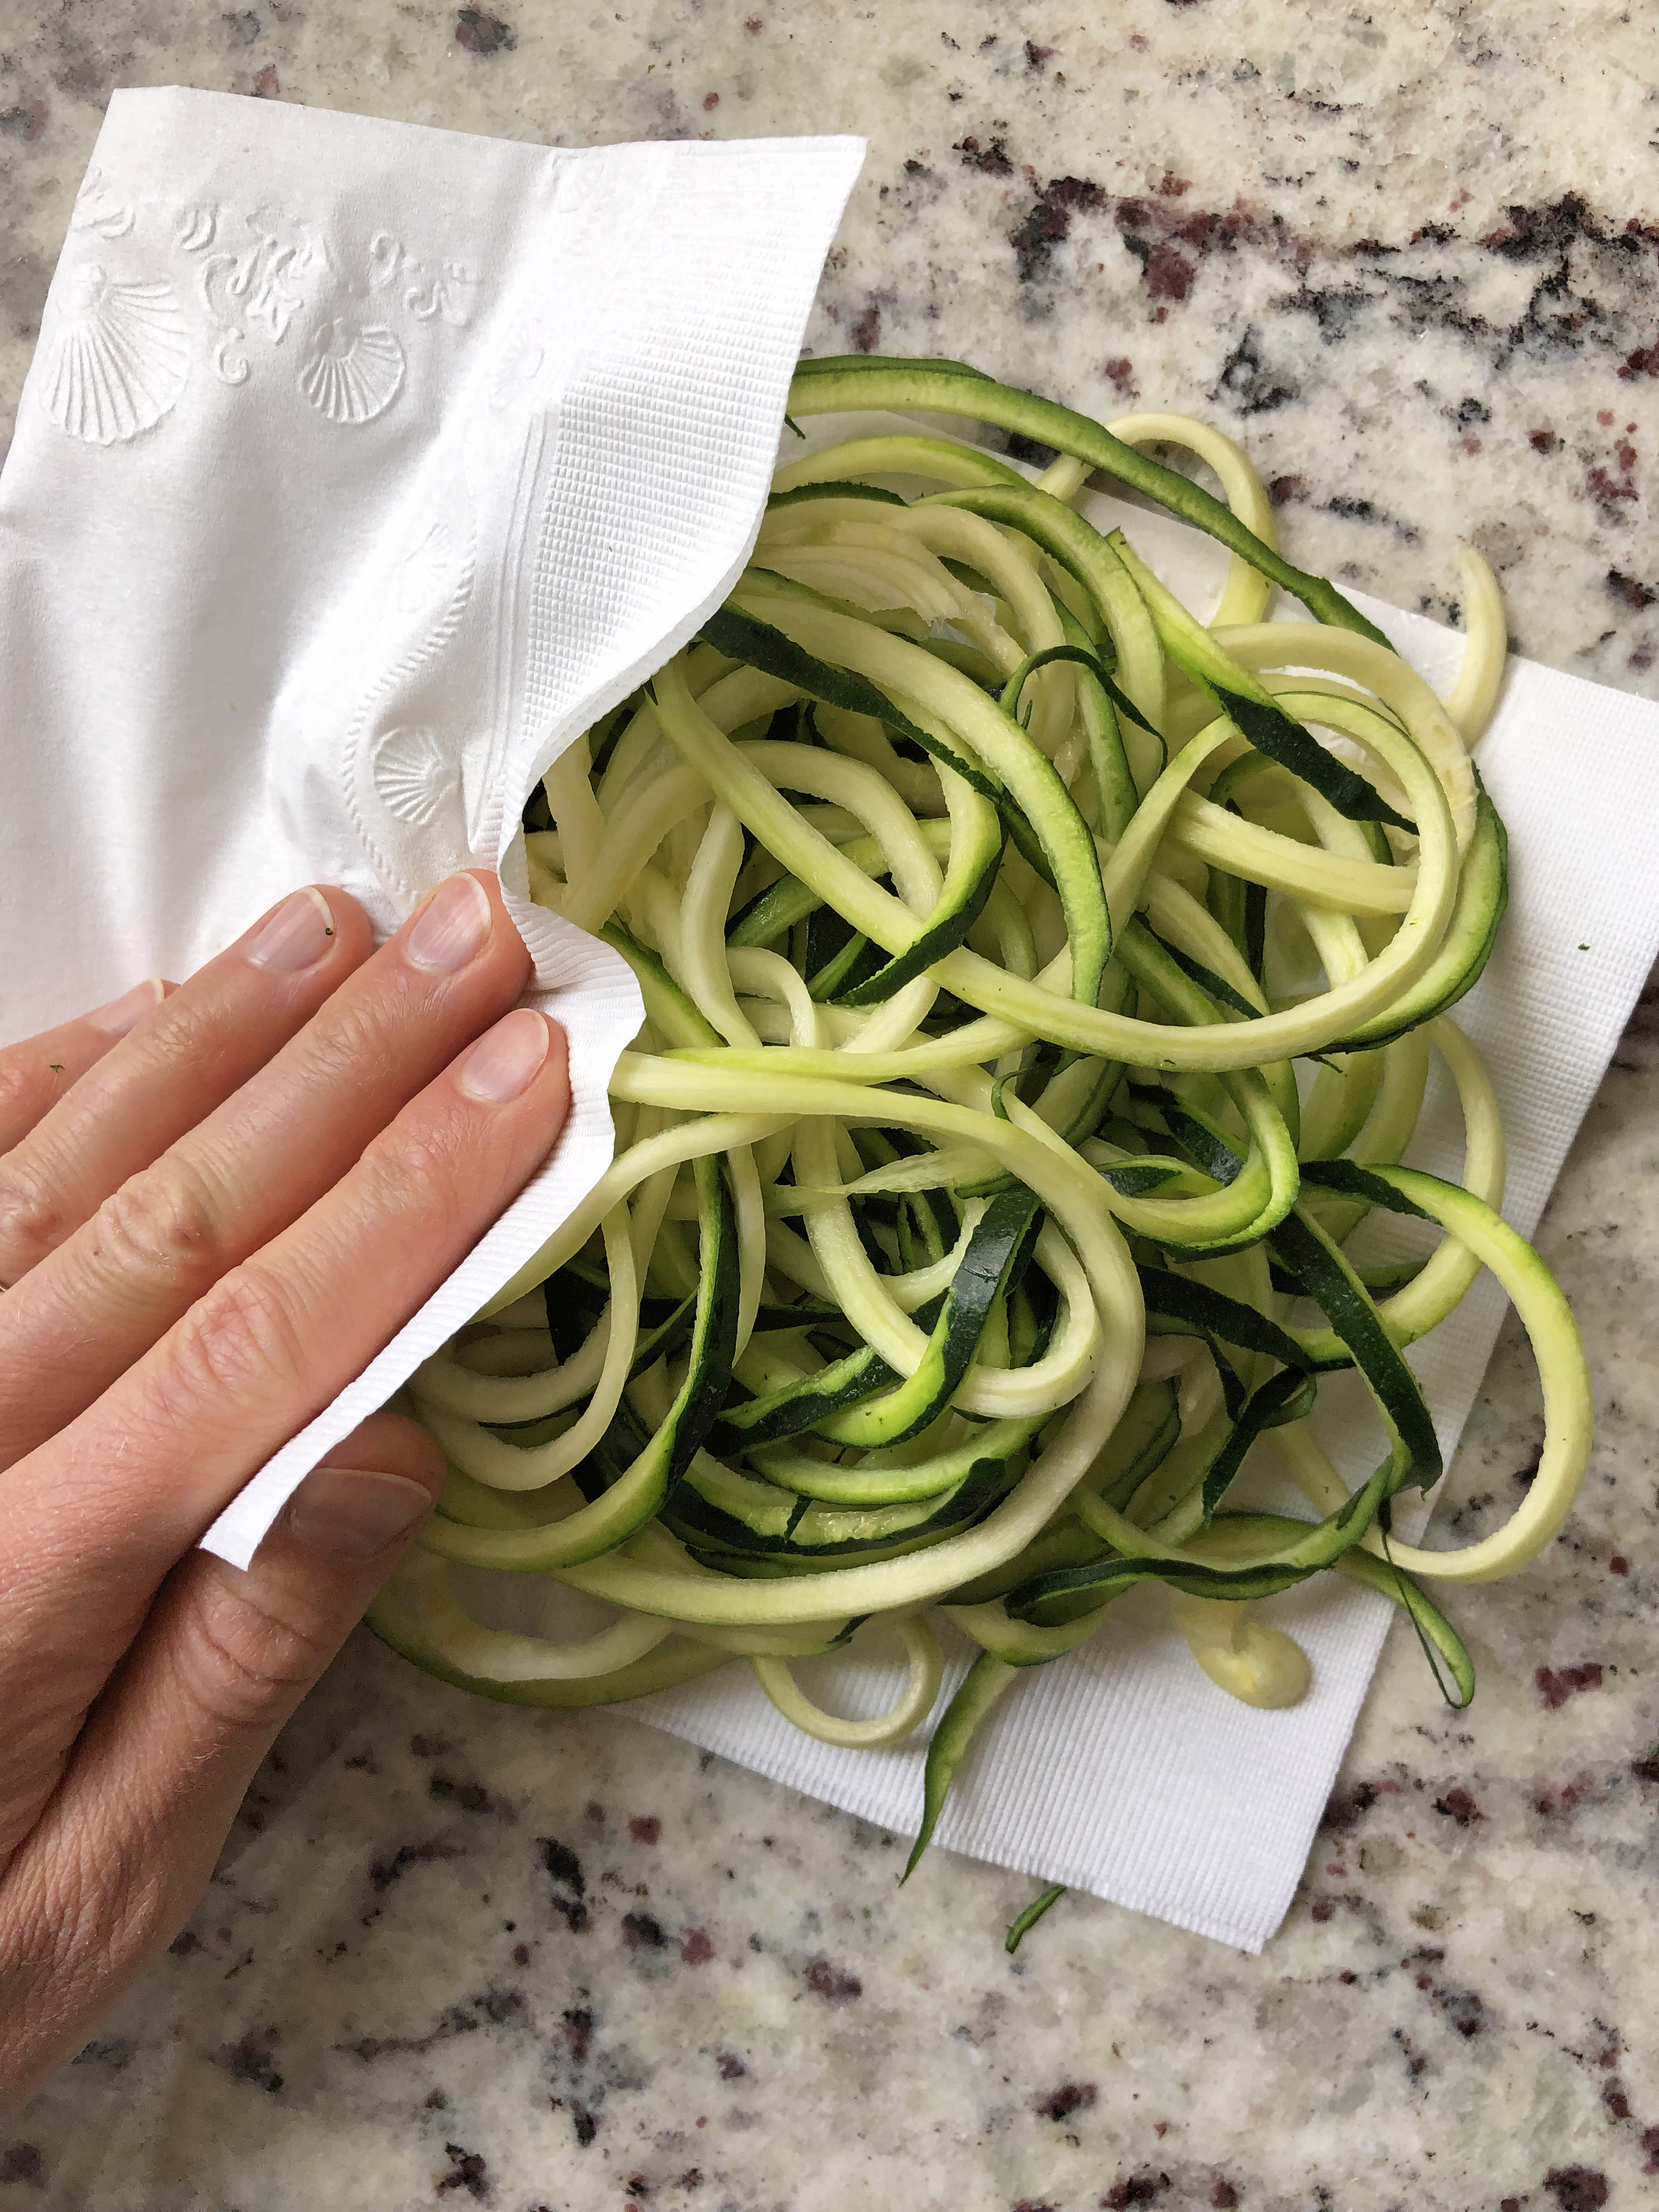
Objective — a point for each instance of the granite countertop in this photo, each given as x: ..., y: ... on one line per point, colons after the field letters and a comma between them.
x: 458, y: 1953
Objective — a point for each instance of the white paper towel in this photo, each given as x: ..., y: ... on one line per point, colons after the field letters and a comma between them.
x: 464, y: 440
x: 359, y: 467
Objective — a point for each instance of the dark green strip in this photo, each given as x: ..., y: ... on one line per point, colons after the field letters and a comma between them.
x: 845, y: 490
x: 1213, y: 1313
x: 1287, y: 1397
x: 1435, y: 1633
x: 1272, y: 731
x: 931, y: 947
x: 1097, y: 668
x: 742, y: 637
x: 1325, y: 1273
x: 1022, y: 1924
x: 1141, y: 1179
x: 1356, y: 1182
x: 952, y: 388
x: 983, y: 1684
x: 665, y: 1338
x: 1207, y: 980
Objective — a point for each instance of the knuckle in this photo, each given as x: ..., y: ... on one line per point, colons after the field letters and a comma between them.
x: 26, y: 1090
x: 245, y: 1658
x: 34, y: 1221
x: 240, y: 1338
x: 427, y: 1162
x: 161, y: 1226
x: 364, y: 1034
x: 347, y: 1042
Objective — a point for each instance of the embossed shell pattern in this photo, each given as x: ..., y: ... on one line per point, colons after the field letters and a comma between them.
x: 117, y: 359
x: 353, y: 371
x: 412, y: 773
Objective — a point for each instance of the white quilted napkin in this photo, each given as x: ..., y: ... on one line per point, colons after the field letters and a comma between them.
x: 359, y: 467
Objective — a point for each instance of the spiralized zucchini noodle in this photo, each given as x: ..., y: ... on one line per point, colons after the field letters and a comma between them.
x: 968, y: 1227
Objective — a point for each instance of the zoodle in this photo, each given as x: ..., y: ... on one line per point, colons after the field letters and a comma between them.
x: 1040, y: 986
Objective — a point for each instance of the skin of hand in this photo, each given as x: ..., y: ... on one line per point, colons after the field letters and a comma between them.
x: 217, y: 1203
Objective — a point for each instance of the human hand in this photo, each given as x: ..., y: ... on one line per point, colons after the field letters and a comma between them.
x: 217, y: 1203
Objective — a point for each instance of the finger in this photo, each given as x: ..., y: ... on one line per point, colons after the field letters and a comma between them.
x: 172, y: 1068
x: 126, y: 1845
x: 37, y: 1072
x: 91, y: 1521
x: 254, y: 1164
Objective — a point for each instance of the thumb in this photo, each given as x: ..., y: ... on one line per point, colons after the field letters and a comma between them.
x: 169, y: 1749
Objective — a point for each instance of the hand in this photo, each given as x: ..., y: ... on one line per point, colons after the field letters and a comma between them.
x: 217, y: 1202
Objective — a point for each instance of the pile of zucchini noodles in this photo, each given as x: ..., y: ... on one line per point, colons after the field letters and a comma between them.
x: 968, y: 1225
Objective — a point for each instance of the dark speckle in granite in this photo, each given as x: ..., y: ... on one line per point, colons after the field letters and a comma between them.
x: 1556, y: 1684
x: 1047, y: 223
x: 833, y: 1983
x: 1070, y: 2097
x: 250, y: 2059
x: 1248, y: 384
x: 1576, y: 2188
x: 467, y: 2169
x: 1457, y: 1805
x: 642, y: 1931
x: 477, y: 33
x: 385, y: 1872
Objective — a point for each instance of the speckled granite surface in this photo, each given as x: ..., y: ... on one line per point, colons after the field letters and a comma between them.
x: 462, y: 1955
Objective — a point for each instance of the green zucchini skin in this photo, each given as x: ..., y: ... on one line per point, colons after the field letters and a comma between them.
x: 806, y: 1407
x: 832, y: 384
x: 1251, y: 706
x: 1483, y: 894
x: 644, y: 1486
x: 711, y: 1519
x: 860, y: 1402
x: 960, y: 908
x: 675, y: 1014
x: 982, y: 1687
x: 996, y: 758
x: 1022, y: 1924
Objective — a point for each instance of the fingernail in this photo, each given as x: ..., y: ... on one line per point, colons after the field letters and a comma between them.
x: 295, y: 935
x: 506, y: 1059
x: 118, y: 1016
x: 352, y: 1513
x: 450, y: 928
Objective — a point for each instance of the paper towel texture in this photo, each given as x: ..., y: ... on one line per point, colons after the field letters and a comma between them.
x: 359, y: 467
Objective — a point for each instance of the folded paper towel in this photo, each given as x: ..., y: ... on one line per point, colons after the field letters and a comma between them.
x: 360, y: 467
